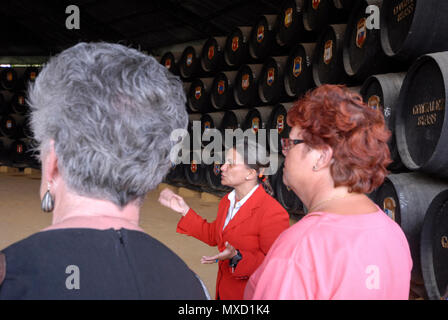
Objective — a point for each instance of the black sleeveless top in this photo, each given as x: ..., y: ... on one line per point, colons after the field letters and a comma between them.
x: 96, y: 264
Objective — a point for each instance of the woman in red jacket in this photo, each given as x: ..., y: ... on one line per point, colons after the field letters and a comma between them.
x: 248, y: 221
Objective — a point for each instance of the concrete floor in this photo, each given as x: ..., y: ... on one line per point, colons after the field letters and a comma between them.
x: 20, y: 216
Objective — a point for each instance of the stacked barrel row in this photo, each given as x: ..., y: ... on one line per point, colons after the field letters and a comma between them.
x: 15, y: 136
x: 394, y: 53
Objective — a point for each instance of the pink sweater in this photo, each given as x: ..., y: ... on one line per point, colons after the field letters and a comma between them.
x: 332, y: 256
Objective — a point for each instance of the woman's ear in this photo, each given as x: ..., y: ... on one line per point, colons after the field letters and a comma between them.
x: 325, y: 158
x: 50, y: 171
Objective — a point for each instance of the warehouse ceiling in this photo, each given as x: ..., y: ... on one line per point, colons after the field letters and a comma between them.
x: 30, y: 28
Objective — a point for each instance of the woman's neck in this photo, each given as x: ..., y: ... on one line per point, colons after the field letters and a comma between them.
x: 69, y: 205
x: 242, y: 190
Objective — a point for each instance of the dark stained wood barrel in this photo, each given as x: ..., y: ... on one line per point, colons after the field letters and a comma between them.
x: 363, y: 55
x: 434, y: 247
x: 221, y: 96
x: 21, y: 155
x: 212, y: 120
x: 199, y: 94
x: 262, y: 37
x: 319, y: 13
x: 421, y: 123
x: 230, y: 121
x: 190, y: 62
x: 277, y: 121
x: 381, y: 92
x: 212, y: 55
x: 289, y: 25
x: 327, y: 57
x: 5, y: 150
x: 5, y: 105
x: 195, y: 137
x: 11, y: 125
x: 258, y: 118
x: 411, y: 28
x: 236, y: 50
x: 8, y: 78
x: 195, y: 170
x: 213, y: 173
x: 347, y: 4
x: 245, y: 86
x: 285, y: 196
x: 405, y: 198
x: 176, y: 174
x: 271, y: 87
x: 18, y: 102
x: 298, y: 76
x: 171, y: 61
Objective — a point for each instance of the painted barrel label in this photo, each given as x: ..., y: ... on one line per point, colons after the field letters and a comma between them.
x: 328, y: 51
x: 361, y: 33
x: 260, y: 33
x: 235, y: 43
x: 221, y: 87
x: 288, y: 17
x: 270, y: 77
x: 297, y: 66
x: 245, y: 81
x: 389, y: 207
x: 374, y: 102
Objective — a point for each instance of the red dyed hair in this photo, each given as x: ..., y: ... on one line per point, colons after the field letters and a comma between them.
x: 336, y: 116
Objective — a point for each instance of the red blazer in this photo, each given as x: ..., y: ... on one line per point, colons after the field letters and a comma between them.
x: 252, y: 231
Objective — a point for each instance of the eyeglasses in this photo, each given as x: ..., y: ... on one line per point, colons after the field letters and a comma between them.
x: 289, y: 143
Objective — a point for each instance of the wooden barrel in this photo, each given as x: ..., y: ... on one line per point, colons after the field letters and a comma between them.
x: 363, y: 55
x: 11, y: 125
x: 298, y: 76
x: 405, y: 198
x: 194, y: 120
x: 189, y: 63
x: 211, y: 120
x: 245, y: 87
x: 221, y: 95
x: 176, y: 174
x: 199, y: 94
x: 411, y: 28
x: 289, y: 25
x: 381, y: 92
x: 285, y: 196
x: 319, y: 13
x: 271, y: 87
x: 277, y: 121
x: 213, y: 173
x: 327, y: 57
x: 5, y: 150
x: 171, y: 61
x: 240, y: 118
x: 212, y: 55
x: 434, y: 247
x: 5, y: 105
x: 8, y: 78
x: 195, y: 170
x: 344, y: 4
x: 421, y: 123
x: 236, y: 50
x: 18, y: 102
x: 262, y: 36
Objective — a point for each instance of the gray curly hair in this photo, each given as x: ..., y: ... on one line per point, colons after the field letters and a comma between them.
x: 110, y: 110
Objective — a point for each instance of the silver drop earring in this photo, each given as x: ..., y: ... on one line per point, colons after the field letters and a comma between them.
x: 47, y: 203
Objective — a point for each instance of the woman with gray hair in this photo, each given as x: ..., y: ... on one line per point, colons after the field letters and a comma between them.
x: 102, y: 115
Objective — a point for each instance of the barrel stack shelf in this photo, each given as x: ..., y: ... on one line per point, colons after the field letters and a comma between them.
x: 399, y: 68
x: 16, y: 141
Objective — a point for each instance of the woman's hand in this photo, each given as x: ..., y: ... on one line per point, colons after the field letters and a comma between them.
x: 171, y: 200
x: 228, y: 253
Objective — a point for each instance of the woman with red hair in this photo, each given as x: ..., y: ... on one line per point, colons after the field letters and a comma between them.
x: 346, y: 247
